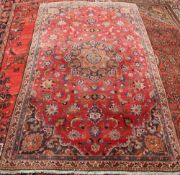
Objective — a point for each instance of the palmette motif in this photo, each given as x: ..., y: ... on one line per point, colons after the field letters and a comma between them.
x: 91, y: 91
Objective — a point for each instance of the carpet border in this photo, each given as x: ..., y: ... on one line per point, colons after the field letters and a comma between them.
x: 111, y: 163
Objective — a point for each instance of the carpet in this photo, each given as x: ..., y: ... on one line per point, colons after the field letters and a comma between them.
x: 103, y: 109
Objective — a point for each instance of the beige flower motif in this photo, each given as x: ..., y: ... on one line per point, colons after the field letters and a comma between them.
x: 139, y: 97
x: 136, y: 109
x: 61, y: 23
x: 74, y: 135
x: 139, y: 85
x: 120, y: 23
x: 57, y: 74
x: 115, y: 108
x: 114, y: 135
x: 74, y: 108
x: 51, y: 109
x: 59, y: 95
x: 130, y: 37
x: 106, y: 24
x: 46, y: 97
x: 76, y: 23
x: 95, y: 147
x: 53, y: 37
x: 47, y: 84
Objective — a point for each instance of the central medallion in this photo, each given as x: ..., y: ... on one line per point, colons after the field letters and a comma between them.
x: 93, y: 57
x: 93, y: 60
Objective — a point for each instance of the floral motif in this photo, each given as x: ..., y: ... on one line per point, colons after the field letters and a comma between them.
x: 115, y: 108
x: 53, y: 37
x: 92, y: 59
x: 114, y: 135
x: 51, y: 109
x: 61, y: 23
x: 95, y: 114
x: 74, y: 135
x: 95, y: 131
x: 120, y: 23
x: 47, y: 84
x: 95, y: 147
x: 139, y: 97
x: 46, y: 97
x: 139, y: 85
x: 74, y: 108
x: 32, y: 142
x: 154, y: 143
x: 136, y: 109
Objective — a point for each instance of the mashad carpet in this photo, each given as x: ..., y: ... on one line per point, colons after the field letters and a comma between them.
x: 81, y: 90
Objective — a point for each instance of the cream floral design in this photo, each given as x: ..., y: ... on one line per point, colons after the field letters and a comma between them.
x: 47, y: 84
x: 53, y: 37
x: 73, y: 108
x: 51, y: 109
x: 74, y: 135
x: 114, y: 135
x: 139, y: 85
x: 120, y: 23
x: 61, y: 23
x: 136, y: 109
x: 139, y: 97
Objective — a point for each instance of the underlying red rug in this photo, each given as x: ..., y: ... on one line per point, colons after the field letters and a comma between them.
x: 93, y: 92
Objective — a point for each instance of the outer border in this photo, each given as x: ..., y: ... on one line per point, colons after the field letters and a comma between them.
x: 6, y: 162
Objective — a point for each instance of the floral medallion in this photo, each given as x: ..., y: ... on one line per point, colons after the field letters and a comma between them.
x: 93, y: 59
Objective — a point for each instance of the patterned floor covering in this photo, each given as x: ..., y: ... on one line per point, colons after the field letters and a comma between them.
x: 90, y: 97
